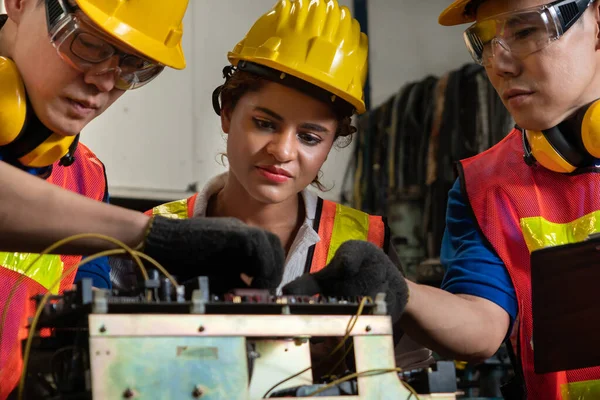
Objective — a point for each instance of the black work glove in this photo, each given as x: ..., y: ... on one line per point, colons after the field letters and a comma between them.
x: 358, y: 268
x: 220, y: 248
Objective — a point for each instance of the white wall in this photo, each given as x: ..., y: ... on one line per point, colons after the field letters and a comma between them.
x: 158, y: 140
x: 407, y: 44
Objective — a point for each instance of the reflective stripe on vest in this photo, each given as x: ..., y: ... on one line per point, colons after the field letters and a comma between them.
x: 539, y: 232
x: 45, y: 271
x: 338, y: 224
x: 178, y: 209
x: 520, y: 209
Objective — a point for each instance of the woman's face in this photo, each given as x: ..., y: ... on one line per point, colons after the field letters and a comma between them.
x: 278, y: 139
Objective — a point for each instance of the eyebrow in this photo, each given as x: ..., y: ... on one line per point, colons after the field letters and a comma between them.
x: 307, y: 125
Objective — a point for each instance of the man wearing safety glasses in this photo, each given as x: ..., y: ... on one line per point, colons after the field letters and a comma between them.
x: 544, y: 62
x: 62, y: 64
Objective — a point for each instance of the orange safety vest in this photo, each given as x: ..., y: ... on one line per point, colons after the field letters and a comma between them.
x: 521, y: 209
x: 334, y: 222
x: 85, y: 176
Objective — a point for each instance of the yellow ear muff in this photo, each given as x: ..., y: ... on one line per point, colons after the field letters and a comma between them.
x: 13, y: 104
x: 590, y: 129
x: 546, y: 155
x: 22, y: 135
x: 48, y: 152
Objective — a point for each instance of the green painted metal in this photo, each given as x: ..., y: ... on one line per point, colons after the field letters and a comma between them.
x: 210, y: 368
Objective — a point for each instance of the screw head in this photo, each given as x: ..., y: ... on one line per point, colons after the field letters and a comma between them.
x: 197, y: 393
x: 368, y: 328
x: 128, y: 393
x: 201, y: 328
x: 102, y: 329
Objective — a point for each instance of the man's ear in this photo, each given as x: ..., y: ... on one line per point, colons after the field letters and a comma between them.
x: 596, y: 9
x: 225, y: 119
x: 16, y: 8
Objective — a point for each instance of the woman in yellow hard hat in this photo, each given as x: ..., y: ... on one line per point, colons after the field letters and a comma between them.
x: 294, y: 83
x: 62, y: 64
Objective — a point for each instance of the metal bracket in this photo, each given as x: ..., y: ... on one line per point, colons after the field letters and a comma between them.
x: 198, y: 302
x: 100, y: 301
x: 380, y: 304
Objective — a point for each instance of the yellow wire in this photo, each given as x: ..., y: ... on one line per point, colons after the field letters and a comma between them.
x: 410, y: 389
x: 371, y: 372
x: 349, y: 327
x: 158, y: 266
x: 40, y: 308
x: 341, y: 360
x: 351, y: 323
x: 124, y: 249
x: 44, y: 300
x: 53, y: 247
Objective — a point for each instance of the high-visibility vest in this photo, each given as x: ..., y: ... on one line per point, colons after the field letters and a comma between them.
x: 521, y: 209
x: 85, y: 176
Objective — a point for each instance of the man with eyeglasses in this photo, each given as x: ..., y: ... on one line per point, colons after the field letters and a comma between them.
x: 536, y: 188
x: 62, y: 64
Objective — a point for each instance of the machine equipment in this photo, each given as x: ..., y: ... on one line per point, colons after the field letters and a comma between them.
x: 166, y: 342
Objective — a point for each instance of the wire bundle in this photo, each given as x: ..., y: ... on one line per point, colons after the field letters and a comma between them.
x: 123, y: 250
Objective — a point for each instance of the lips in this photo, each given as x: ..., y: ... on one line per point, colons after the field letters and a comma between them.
x: 85, y: 103
x: 276, y: 170
x: 512, y: 93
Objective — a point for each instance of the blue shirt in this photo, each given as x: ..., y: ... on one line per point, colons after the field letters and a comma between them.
x: 98, y: 270
x: 472, y: 266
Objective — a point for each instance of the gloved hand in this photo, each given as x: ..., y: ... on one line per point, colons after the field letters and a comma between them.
x: 358, y: 268
x: 220, y: 248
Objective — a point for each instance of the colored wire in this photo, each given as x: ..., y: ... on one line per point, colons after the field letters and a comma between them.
x: 40, y: 308
x: 136, y: 255
x: 371, y: 372
x: 349, y: 327
x: 49, y: 250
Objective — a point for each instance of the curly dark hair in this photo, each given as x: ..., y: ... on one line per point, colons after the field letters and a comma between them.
x: 241, y: 82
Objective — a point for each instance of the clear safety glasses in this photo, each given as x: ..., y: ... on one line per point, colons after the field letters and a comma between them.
x: 83, y: 47
x: 522, y: 32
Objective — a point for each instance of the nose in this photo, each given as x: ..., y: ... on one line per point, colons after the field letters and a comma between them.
x: 502, y: 62
x: 283, y: 146
x: 104, y: 75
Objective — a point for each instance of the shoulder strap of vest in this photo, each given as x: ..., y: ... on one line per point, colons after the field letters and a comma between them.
x: 82, y: 153
x: 86, y: 176
x: 316, y: 223
x: 338, y: 224
x: 191, y: 204
x: 179, y: 209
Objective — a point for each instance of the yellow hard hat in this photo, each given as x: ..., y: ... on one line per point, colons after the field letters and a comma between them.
x: 154, y: 28
x: 455, y: 14
x: 314, y: 40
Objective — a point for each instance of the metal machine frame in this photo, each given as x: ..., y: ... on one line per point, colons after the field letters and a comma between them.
x: 208, y: 348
